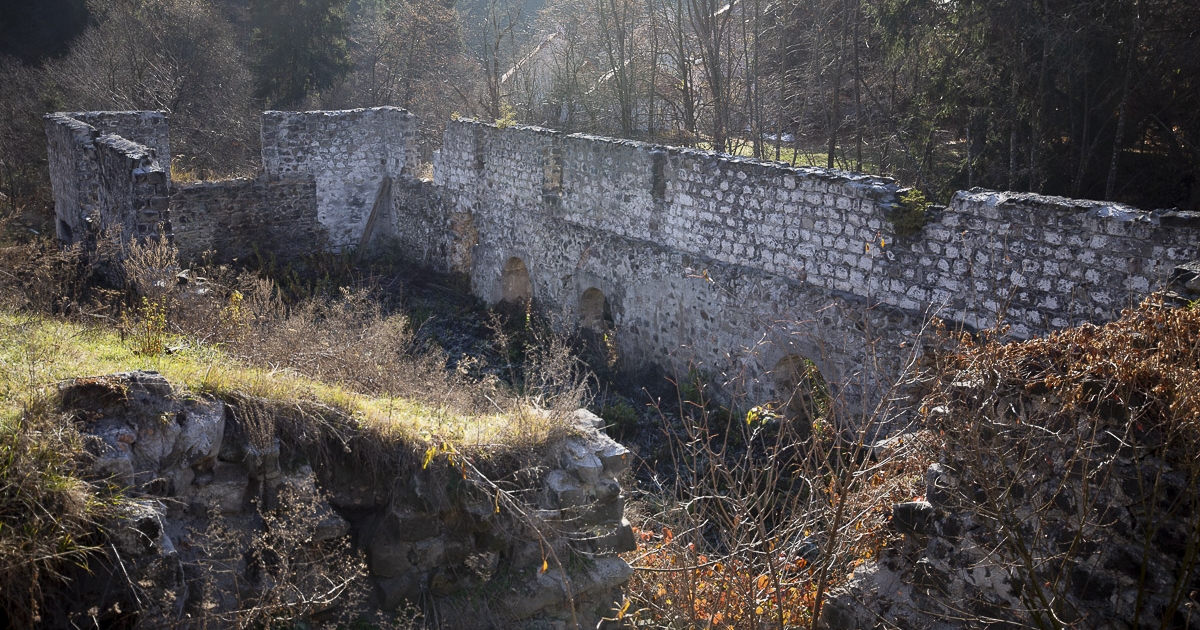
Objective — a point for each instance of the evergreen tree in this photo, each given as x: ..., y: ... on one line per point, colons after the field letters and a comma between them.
x: 300, y: 48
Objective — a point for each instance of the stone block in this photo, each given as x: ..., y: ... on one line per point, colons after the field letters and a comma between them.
x: 389, y: 559
x: 392, y: 592
x: 912, y: 517
x: 403, y: 524
x: 598, y: 513
x: 225, y: 489
x: 577, y: 457
x: 564, y: 490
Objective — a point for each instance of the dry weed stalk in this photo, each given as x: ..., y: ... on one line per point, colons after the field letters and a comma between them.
x: 769, y: 507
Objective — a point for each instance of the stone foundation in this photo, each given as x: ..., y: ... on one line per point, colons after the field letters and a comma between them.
x: 209, y: 483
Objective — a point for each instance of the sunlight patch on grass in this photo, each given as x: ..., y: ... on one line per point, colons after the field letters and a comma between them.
x: 37, y: 353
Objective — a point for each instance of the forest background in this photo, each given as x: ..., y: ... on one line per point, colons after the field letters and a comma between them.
x: 1083, y: 98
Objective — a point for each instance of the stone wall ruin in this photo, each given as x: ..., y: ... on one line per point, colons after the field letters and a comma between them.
x: 721, y: 264
x: 201, y: 480
x: 109, y: 171
x: 732, y: 265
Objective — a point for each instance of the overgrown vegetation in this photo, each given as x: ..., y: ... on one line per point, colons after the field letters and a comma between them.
x: 761, y: 511
x: 909, y: 216
x: 327, y: 372
x: 1077, y: 454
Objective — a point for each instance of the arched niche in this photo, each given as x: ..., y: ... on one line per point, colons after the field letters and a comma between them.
x: 594, y: 310
x: 515, y: 285
x: 801, y: 391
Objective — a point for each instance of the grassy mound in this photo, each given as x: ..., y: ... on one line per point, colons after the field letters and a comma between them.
x: 330, y: 369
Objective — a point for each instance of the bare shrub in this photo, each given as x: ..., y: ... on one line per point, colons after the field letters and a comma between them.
x: 276, y: 568
x: 40, y: 276
x: 24, y: 182
x: 1073, y: 460
x: 764, y: 511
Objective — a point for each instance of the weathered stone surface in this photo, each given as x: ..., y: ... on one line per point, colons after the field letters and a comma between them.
x: 565, y: 490
x: 697, y: 258
x: 226, y: 488
x: 394, y: 591
x: 912, y: 517
x: 203, y: 429
x: 233, y: 219
x: 620, y: 540
x: 693, y: 251
x: 140, y: 531
x: 404, y: 524
x: 347, y: 154
x: 579, y: 458
x: 105, y: 168
x: 425, y: 540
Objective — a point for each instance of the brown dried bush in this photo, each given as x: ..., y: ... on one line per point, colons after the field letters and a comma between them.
x: 1075, y: 456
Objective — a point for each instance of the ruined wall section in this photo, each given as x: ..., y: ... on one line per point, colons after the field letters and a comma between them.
x: 810, y: 224
x: 73, y: 175
x: 147, y: 128
x: 349, y: 154
x: 423, y: 230
x: 133, y: 189
x: 102, y: 180
x: 732, y: 262
x: 238, y: 218
x: 683, y: 245
x: 1039, y: 263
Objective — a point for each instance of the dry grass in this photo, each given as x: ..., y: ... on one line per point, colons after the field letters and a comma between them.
x: 334, y: 376
x: 1048, y: 435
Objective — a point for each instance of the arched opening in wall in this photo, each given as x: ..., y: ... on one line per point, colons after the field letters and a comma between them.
x: 598, y: 344
x: 515, y: 285
x: 801, y: 392
x: 594, y: 311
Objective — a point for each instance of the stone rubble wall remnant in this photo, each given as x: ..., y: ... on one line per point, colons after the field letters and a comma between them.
x: 723, y: 264
x: 109, y: 171
x: 198, y: 472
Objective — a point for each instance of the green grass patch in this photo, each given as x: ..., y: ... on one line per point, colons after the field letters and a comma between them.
x: 37, y: 353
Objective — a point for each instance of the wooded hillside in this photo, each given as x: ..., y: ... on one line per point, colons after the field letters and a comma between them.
x: 1084, y: 99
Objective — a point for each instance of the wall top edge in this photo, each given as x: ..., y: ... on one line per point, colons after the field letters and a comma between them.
x: 130, y: 149
x: 334, y: 113
x: 1107, y: 210
x: 809, y: 172
x: 144, y: 113
x: 62, y: 118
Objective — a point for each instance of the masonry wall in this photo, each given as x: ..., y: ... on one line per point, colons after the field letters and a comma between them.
x: 102, y: 180
x: 149, y: 129
x: 73, y: 173
x: 726, y: 264
x: 132, y: 189
x: 1038, y: 262
x: 349, y: 154
x: 236, y: 219
x: 731, y: 264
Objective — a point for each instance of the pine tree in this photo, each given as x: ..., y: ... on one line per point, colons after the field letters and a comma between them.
x: 300, y: 48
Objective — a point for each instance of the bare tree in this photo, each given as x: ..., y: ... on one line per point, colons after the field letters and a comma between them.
x: 618, y: 20
x: 493, y: 26
x: 179, y: 56
x: 710, y: 20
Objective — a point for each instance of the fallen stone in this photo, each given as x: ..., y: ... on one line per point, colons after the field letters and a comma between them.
x: 912, y: 517
x: 578, y: 457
